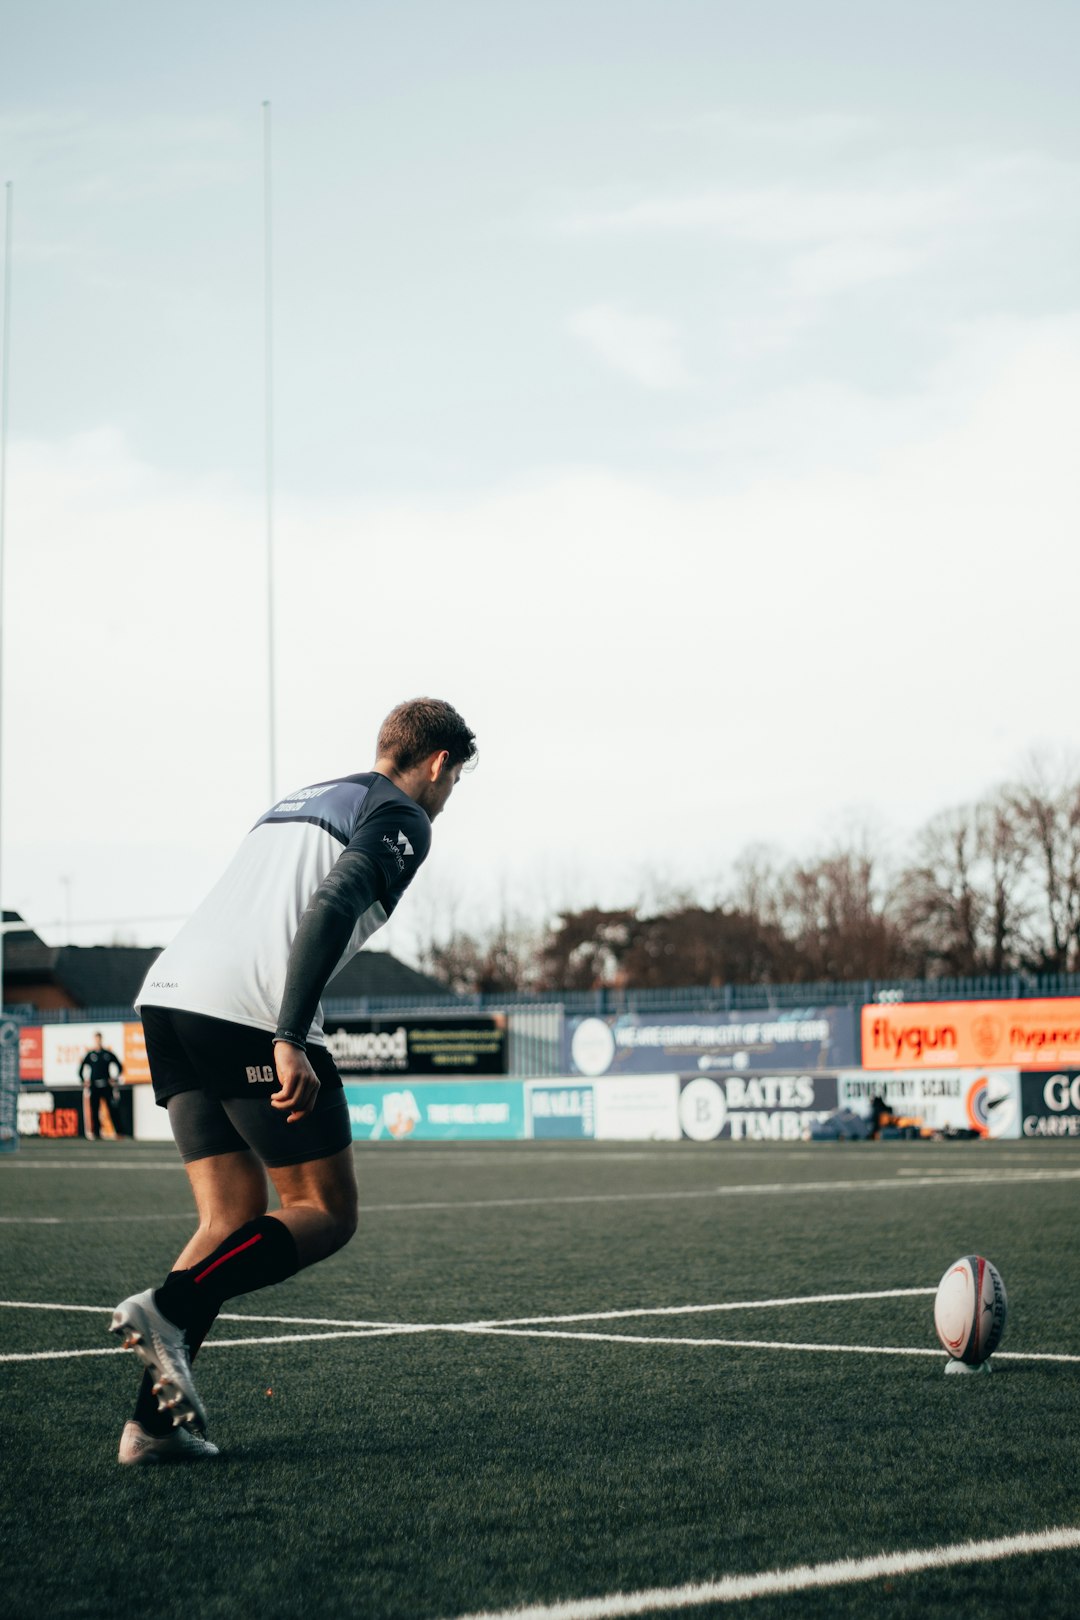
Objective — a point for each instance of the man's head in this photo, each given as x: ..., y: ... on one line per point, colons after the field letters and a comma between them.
x: 424, y: 745
x: 97, y: 1040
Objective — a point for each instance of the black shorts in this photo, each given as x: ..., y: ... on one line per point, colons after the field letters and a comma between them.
x: 216, y: 1079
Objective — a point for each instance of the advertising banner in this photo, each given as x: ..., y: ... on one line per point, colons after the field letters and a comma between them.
x: 362, y: 1046
x: 632, y: 1043
x: 9, y: 1085
x: 1050, y: 1103
x: 987, y: 1101
x: 30, y: 1052
x: 564, y: 1111
x: 437, y: 1111
x: 985, y: 1034
x: 65, y: 1045
x: 638, y: 1108
x: 54, y: 1114
x: 754, y: 1107
x: 151, y: 1123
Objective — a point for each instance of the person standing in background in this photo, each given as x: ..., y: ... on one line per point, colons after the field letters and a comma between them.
x: 100, y: 1072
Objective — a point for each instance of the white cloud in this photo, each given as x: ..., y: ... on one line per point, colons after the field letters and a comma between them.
x: 840, y: 266
x: 760, y: 654
x: 778, y: 214
x: 647, y: 348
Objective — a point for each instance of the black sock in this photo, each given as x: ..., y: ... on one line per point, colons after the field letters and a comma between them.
x: 257, y: 1254
x: 146, y: 1410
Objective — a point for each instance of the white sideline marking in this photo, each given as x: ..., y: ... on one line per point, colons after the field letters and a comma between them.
x: 895, y: 1183
x: 215, y: 1344
x: 544, y: 1327
x: 740, y: 1190
x: 693, y: 1310
x: 86, y: 1220
x: 743, y: 1344
x: 803, y: 1578
x: 518, y: 1321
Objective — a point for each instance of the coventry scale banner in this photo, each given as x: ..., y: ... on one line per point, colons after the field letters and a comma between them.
x: 982, y: 1100
x: 632, y: 1043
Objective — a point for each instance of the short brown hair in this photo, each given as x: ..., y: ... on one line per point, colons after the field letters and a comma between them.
x: 421, y: 727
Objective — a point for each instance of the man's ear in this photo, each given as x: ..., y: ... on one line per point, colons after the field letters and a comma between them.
x: 438, y: 764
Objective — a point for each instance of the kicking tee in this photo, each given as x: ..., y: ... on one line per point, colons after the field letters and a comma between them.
x: 231, y: 958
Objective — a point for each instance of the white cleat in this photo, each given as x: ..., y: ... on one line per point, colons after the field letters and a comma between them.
x: 162, y: 1348
x: 139, y: 1448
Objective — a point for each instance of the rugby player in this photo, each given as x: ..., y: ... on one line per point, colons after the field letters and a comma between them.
x: 238, y: 1057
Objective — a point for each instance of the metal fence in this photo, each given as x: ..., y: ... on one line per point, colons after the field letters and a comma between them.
x: 535, y: 1022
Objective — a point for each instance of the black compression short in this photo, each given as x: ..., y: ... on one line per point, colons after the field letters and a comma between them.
x: 217, y: 1079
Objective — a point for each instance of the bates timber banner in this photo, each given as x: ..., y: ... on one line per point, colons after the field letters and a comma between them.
x: 972, y: 1034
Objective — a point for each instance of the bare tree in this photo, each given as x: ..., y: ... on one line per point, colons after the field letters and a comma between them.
x: 1046, y: 805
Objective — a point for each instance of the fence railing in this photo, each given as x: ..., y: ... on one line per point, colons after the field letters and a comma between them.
x: 535, y: 1021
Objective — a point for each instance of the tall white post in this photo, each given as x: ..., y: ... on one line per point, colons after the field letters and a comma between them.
x: 268, y: 346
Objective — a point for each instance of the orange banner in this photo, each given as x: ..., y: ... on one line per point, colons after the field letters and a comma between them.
x: 983, y: 1034
x: 136, y: 1066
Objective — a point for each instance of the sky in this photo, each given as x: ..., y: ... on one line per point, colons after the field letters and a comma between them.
x: 686, y: 390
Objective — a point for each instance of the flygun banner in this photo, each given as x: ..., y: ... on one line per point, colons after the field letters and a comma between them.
x: 972, y: 1034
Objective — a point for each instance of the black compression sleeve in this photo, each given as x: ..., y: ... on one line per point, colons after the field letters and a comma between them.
x: 344, y: 895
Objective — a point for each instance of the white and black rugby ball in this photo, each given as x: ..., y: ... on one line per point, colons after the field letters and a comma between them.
x: 970, y: 1309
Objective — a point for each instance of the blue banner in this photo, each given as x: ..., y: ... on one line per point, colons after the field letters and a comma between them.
x: 437, y: 1111
x: 805, y: 1038
x: 9, y: 1085
x: 567, y: 1112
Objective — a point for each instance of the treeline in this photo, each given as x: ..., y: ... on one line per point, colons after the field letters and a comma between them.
x: 992, y: 887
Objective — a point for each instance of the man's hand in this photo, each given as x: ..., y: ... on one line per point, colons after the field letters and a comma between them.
x: 297, y: 1080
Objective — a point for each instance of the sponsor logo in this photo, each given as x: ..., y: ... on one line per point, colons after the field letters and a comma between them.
x: 758, y: 1108
x: 163, y: 984
x: 592, y: 1046
x: 401, y: 1113
x: 370, y: 1049
x: 398, y: 849
x: 912, y: 1040
x: 297, y: 800
x: 260, y: 1074
x: 986, y: 1033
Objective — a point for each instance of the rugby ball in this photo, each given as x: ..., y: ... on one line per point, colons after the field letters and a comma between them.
x: 970, y: 1309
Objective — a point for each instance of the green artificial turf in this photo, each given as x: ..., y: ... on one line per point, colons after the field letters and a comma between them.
x: 428, y: 1475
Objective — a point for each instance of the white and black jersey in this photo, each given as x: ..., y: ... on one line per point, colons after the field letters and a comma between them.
x: 336, y: 858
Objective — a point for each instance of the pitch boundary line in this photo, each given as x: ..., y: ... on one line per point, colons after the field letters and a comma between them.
x: 895, y: 1183
x: 803, y: 1578
x: 543, y: 1327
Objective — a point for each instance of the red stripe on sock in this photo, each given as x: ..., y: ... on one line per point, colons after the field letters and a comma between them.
x: 238, y: 1250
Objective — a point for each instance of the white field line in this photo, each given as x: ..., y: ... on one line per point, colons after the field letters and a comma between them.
x: 95, y: 1220
x: 217, y: 1344
x: 804, y: 1578
x: 537, y: 1328
x: 520, y: 1321
x: 995, y: 1178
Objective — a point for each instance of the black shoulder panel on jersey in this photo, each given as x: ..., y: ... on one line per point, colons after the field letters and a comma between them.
x: 333, y: 806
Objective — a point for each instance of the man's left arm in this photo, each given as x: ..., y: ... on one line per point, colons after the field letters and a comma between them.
x: 362, y: 877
